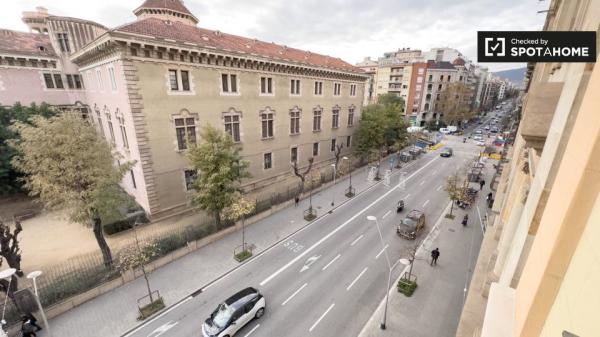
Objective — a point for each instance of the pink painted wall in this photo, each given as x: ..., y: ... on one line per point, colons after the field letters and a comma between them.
x: 106, y: 99
x: 26, y: 85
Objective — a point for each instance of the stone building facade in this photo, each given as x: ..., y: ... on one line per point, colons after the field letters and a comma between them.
x: 153, y: 83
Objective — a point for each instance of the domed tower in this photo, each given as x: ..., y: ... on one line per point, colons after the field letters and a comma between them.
x: 458, y: 62
x: 173, y: 10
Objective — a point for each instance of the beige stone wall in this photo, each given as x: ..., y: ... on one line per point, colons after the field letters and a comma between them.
x: 206, y: 103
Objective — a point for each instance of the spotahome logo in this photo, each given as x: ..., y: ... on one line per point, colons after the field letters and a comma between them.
x: 536, y: 46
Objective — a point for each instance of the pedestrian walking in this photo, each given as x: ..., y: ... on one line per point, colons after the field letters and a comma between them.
x: 434, y: 256
x: 27, y: 329
x: 296, y: 201
x: 481, y: 184
x: 465, y: 220
x: 29, y: 318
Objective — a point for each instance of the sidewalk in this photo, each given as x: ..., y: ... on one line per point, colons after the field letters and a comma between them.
x: 435, y: 307
x: 114, y: 313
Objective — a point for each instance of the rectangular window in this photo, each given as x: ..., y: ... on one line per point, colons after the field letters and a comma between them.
x: 58, y: 83
x: 232, y: 126
x: 295, y: 87
x: 317, y: 120
x: 332, y: 145
x: 132, y: 178
x: 185, y: 130
x: 449, y: 78
x: 350, y: 116
x: 337, y: 89
x: 266, y: 85
x: 173, y: 80
x: 294, y: 122
x: 123, y: 131
x: 159, y: 54
x: 420, y: 71
x: 48, y: 81
x: 146, y: 53
x: 294, y: 154
x: 440, y: 87
x: 99, y: 78
x: 315, y: 149
x: 335, y: 119
x: 318, y: 88
x: 348, y: 141
x: 111, y: 131
x: 441, y: 78
x: 100, y: 124
x: 78, y: 81
x: 185, y: 80
x: 63, y: 42
x: 430, y: 78
x: 267, y: 125
x: 70, y: 83
x: 133, y: 51
x: 189, y: 175
x: 352, y: 89
x: 112, y: 79
x: 229, y: 83
x: 267, y: 160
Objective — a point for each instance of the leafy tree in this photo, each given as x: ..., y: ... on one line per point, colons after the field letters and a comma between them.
x: 454, y: 190
x: 454, y: 104
x: 10, y: 179
x: 70, y: 166
x: 239, y: 210
x: 219, y: 171
x: 137, y: 256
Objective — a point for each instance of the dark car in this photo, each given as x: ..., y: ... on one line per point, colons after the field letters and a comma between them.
x: 234, y: 313
x: 446, y: 152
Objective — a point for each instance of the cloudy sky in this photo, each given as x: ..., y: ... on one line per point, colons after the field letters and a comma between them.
x: 349, y: 29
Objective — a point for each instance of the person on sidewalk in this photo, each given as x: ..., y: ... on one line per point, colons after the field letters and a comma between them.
x: 481, y: 184
x: 29, y: 318
x: 296, y: 201
x: 465, y: 220
x: 434, y: 256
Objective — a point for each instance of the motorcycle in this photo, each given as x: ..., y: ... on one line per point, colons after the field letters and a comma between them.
x: 400, y: 206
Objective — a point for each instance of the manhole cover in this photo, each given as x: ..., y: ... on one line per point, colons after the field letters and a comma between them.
x: 451, y: 230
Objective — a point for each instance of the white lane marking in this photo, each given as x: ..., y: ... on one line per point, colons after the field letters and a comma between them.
x: 406, y: 197
x: 163, y: 328
x: 386, y: 214
x: 439, y: 187
x: 294, y: 294
x: 251, y: 331
x: 356, y: 279
x: 160, y: 315
x: 425, y: 203
x: 381, y: 252
x: 357, y: 239
x: 422, y: 182
x: 318, y: 243
x: 309, y: 262
x: 332, y: 261
x: 322, y: 316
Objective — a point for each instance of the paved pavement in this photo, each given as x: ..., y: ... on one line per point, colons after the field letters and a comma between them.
x: 342, y: 282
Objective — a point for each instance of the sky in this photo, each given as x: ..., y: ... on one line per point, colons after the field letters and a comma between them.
x: 348, y: 29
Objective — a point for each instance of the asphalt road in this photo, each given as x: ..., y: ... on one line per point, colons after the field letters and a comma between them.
x: 328, y: 278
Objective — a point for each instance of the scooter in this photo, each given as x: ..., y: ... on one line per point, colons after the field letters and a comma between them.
x: 400, y: 206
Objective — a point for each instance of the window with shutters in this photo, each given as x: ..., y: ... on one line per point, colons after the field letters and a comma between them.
x: 229, y: 84
x: 318, y: 88
x: 352, y: 90
x: 337, y: 89
x: 266, y: 86
x: 295, y: 87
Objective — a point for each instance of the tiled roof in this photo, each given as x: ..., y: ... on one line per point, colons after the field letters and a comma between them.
x: 174, y: 5
x: 214, y: 39
x: 22, y: 43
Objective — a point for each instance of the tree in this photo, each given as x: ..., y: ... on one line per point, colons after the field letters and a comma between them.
x: 137, y: 256
x: 453, y: 189
x: 453, y: 105
x: 314, y: 179
x: 10, y: 179
x: 11, y: 252
x: 239, y: 210
x: 219, y: 171
x: 338, y: 155
x: 302, y: 175
x: 69, y: 166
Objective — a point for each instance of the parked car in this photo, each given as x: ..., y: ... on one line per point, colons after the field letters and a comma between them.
x: 411, y: 225
x: 446, y: 152
x: 234, y: 313
x: 479, y: 143
x: 478, y: 132
x: 478, y: 138
x: 487, y: 127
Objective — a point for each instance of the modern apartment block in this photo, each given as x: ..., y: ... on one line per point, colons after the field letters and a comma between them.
x: 152, y: 84
x: 537, y: 273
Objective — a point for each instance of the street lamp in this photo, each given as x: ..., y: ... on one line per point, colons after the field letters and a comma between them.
x: 6, y: 274
x: 334, y: 174
x: 387, y: 290
x: 350, y: 192
x: 33, y: 276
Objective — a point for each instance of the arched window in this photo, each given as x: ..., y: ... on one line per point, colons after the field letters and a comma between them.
x: 231, y: 120
x: 295, y: 120
x: 266, y: 119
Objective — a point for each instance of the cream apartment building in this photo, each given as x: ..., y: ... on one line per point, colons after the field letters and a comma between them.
x: 538, y: 269
x: 152, y: 83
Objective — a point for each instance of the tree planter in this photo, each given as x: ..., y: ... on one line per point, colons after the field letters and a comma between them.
x: 152, y: 308
x: 243, y: 255
x: 310, y: 214
x: 407, y: 287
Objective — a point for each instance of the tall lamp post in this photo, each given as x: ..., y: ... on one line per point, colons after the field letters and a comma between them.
x: 334, y: 174
x: 33, y: 276
x: 6, y: 274
x: 387, y: 290
x: 350, y: 192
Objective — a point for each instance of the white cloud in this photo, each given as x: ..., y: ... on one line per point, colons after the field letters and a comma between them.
x: 349, y: 29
